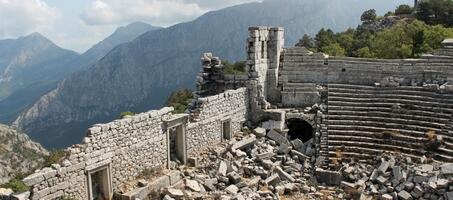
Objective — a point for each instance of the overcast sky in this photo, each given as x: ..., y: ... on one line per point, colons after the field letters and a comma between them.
x: 78, y: 24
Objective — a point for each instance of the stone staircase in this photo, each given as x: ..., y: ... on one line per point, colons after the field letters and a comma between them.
x: 365, y: 121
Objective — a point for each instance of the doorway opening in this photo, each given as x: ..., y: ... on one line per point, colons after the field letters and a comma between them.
x: 226, y: 130
x: 299, y: 129
x: 176, y: 145
x: 99, y: 181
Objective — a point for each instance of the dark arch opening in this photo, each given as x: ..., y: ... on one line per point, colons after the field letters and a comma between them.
x: 299, y: 129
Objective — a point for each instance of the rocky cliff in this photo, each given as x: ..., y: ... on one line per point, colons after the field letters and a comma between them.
x: 18, y: 154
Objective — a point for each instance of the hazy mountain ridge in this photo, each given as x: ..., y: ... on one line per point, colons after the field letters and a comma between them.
x: 140, y: 75
x: 20, y: 99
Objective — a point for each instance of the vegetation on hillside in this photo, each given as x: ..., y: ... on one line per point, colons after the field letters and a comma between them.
x: 55, y: 157
x: 180, y: 100
x: 436, y: 12
x: 387, y: 37
x: 237, y: 68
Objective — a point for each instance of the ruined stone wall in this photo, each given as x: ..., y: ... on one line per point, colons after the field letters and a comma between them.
x: 263, y: 59
x: 127, y: 146
x: 206, y: 126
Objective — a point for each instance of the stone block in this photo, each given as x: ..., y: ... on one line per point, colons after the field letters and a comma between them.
x: 193, y: 185
x: 272, y: 180
x: 284, y: 175
x: 232, y: 189
x: 277, y: 137
x: 386, y: 197
x: 404, y: 195
x: 223, y: 167
x: 328, y: 177
x: 446, y: 169
x: 5, y: 193
x: 259, y: 132
x: 284, y: 148
x: 163, y: 181
x: 383, y: 167
x: 244, y: 143
x: 174, y: 177
x: 175, y: 193
x: 33, y: 179
x: 21, y: 196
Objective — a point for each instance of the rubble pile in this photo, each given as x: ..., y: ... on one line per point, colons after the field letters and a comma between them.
x: 251, y: 166
x: 398, y: 177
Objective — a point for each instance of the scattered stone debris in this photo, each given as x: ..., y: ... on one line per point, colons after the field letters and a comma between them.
x: 397, y: 177
x: 251, y: 167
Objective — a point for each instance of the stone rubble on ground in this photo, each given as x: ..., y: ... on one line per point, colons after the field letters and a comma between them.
x: 251, y: 167
x: 398, y: 177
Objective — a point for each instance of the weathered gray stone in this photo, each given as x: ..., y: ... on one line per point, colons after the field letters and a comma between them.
x: 142, y: 183
x: 274, y: 179
x: 5, y: 192
x: 223, y: 167
x: 398, y: 174
x: 259, y: 132
x: 232, y: 189
x: 449, y: 196
x: 33, y: 179
x: 175, y: 193
x: 284, y: 175
x: 193, y: 185
x: 386, y: 197
x: 267, y: 164
x: 159, y: 183
x: 174, y: 177
x: 244, y: 143
x: 276, y: 136
x: 383, y: 167
x: 234, y: 177
x: 21, y: 196
x: 284, y: 148
x: 328, y: 177
x: 404, y: 195
x: 447, y: 169
x: 166, y: 197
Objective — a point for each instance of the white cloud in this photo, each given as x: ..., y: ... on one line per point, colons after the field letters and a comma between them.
x: 156, y: 12
x: 20, y: 17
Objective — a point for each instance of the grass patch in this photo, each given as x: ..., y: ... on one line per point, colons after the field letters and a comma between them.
x: 126, y: 113
x: 16, y: 185
x: 54, y: 157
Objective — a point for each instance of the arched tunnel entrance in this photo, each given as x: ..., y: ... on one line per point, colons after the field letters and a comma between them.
x: 299, y: 129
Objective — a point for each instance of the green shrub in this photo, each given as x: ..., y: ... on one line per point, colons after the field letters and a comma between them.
x: 16, y: 185
x: 54, y: 157
x: 237, y: 68
x: 180, y: 100
x: 126, y: 113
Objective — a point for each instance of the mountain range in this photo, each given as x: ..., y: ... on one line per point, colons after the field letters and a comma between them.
x: 139, y: 75
x: 32, y: 65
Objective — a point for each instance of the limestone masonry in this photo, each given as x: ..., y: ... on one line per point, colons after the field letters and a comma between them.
x: 341, y: 109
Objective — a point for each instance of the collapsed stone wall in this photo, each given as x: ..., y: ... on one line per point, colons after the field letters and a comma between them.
x: 211, y: 112
x: 127, y: 146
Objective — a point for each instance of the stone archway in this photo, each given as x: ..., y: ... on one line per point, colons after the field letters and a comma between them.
x: 300, y: 129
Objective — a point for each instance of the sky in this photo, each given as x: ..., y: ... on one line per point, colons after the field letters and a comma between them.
x: 79, y: 24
